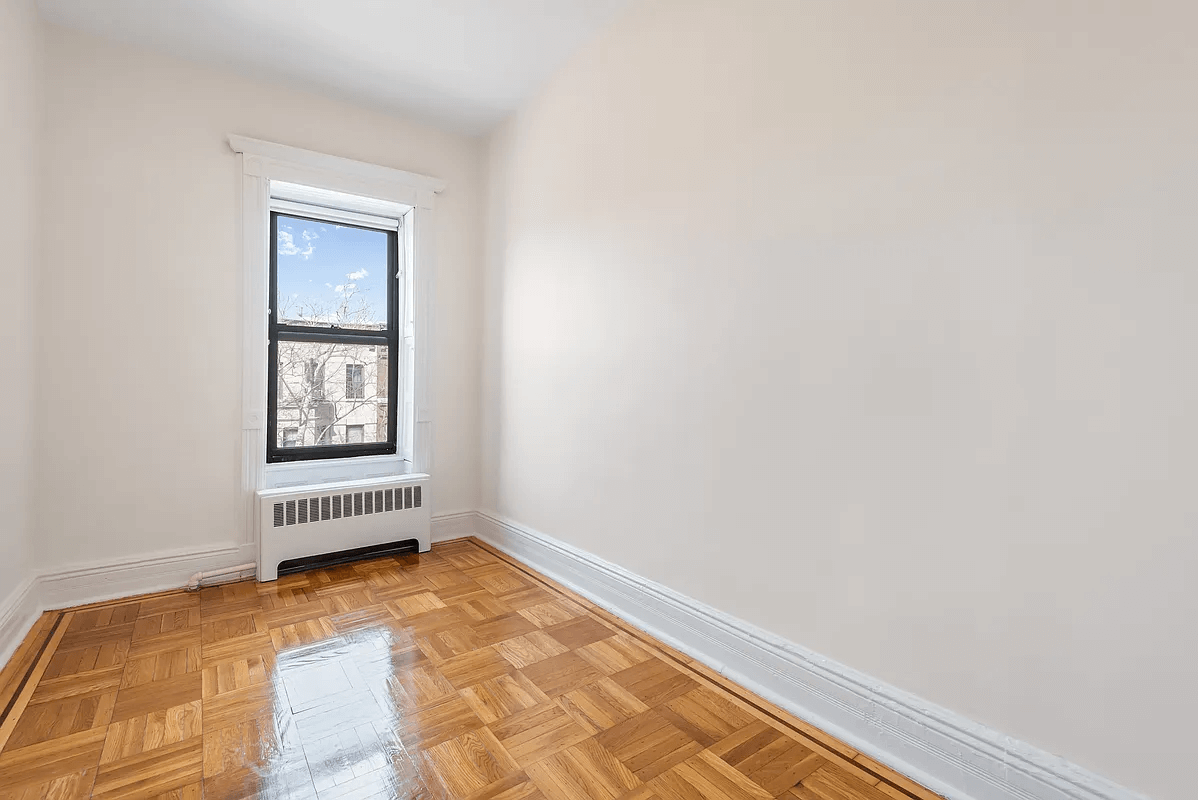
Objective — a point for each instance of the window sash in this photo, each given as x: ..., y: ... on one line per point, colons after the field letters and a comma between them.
x: 277, y: 332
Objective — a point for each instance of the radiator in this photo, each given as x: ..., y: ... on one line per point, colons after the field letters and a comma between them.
x: 303, y: 521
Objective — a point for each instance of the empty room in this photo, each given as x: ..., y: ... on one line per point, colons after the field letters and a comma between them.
x: 571, y: 399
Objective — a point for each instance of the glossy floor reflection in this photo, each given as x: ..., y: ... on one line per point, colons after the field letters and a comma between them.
x: 456, y: 674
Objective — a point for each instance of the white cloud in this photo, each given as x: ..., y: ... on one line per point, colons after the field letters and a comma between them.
x: 286, y: 244
x: 288, y: 247
x: 309, y: 236
x: 357, y: 276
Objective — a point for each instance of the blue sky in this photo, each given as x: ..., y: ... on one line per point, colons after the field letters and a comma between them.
x: 320, y: 261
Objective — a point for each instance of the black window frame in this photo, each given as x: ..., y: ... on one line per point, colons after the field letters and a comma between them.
x: 276, y: 332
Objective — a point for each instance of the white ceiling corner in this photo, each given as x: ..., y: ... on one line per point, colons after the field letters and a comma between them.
x: 462, y: 64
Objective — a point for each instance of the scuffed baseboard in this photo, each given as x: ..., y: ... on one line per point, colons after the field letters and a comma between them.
x: 937, y: 748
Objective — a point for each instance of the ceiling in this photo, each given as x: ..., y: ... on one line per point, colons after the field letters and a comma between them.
x: 461, y: 64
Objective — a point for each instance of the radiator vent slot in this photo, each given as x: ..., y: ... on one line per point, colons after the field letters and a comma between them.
x: 323, y: 508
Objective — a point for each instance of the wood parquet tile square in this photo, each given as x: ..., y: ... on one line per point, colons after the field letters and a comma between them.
x: 51, y: 720
x: 469, y: 763
x: 538, y: 732
x: 601, y: 705
x: 579, y: 631
x: 98, y: 681
x: 529, y: 648
x: 648, y: 744
x: 155, y: 695
x: 421, y: 687
x: 452, y: 675
x: 561, y: 674
x: 157, y: 666
x: 71, y: 661
x: 153, y: 772
x: 258, y: 757
x: 498, y: 698
x: 582, y: 770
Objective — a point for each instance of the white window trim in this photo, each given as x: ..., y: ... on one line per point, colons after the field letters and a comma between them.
x: 260, y: 163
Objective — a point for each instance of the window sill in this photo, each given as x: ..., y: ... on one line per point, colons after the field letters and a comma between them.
x: 303, y: 473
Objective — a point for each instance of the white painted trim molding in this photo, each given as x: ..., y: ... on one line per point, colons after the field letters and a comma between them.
x: 453, y: 525
x: 18, y: 612
x: 97, y: 581
x: 938, y: 748
x: 259, y: 163
x: 336, y: 169
x: 947, y: 753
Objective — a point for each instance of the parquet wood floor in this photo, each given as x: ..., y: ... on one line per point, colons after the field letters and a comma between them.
x: 455, y: 674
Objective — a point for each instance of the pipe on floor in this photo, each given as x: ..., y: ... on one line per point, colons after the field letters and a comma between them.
x: 194, y: 582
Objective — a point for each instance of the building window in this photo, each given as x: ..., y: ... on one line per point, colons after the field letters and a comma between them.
x: 335, y: 300
x: 355, y: 380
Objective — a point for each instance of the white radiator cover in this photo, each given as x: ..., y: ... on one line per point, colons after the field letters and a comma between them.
x: 301, y: 521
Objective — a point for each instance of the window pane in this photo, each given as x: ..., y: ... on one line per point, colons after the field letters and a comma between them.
x: 355, y: 382
x: 330, y: 274
x: 330, y: 394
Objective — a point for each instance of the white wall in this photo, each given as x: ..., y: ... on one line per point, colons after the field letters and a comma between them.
x: 873, y: 324
x: 141, y: 263
x: 20, y: 99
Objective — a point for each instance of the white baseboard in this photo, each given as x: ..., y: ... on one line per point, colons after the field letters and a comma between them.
x: 944, y: 751
x: 453, y: 525
x: 18, y: 612
x: 938, y: 748
x: 97, y: 581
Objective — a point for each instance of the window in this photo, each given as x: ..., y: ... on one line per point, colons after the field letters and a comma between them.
x: 335, y: 300
x: 334, y: 191
x: 314, y: 378
x: 355, y: 383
